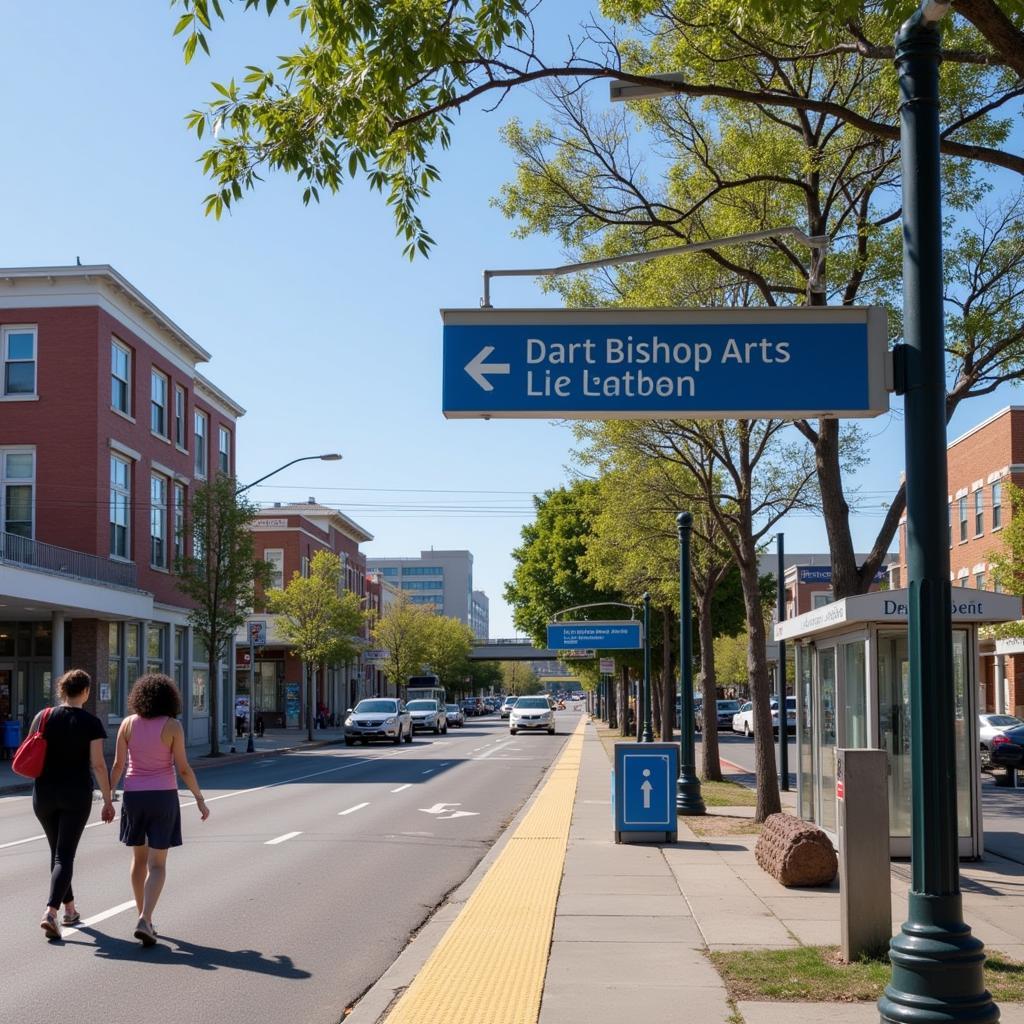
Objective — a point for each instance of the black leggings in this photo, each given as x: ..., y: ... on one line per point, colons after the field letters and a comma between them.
x: 63, y: 814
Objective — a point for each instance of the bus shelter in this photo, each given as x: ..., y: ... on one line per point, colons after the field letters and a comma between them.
x: 853, y: 690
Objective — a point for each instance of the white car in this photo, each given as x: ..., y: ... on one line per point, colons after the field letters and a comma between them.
x: 507, y: 705
x: 532, y: 713
x: 743, y: 720
x: 428, y: 714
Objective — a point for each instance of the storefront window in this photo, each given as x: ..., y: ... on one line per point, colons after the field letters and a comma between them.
x: 856, y: 689
x: 115, y: 669
x: 827, y: 737
x: 805, y: 731
x: 961, y: 644
x: 155, y: 648
x: 7, y: 639
x: 200, y: 675
x: 894, y: 726
x: 179, y: 657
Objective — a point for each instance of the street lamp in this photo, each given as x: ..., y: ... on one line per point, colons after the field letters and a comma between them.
x: 329, y: 457
x: 647, y: 736
x: 937, y: 964
x: 780, y: 679
x: 689, y: 801
x: 250, y: 747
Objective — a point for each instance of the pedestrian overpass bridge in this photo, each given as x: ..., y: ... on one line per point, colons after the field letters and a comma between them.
x: 518, y: 648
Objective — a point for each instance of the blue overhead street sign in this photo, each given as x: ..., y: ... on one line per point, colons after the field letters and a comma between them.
x: 657, y: 363
x: 624, y: 635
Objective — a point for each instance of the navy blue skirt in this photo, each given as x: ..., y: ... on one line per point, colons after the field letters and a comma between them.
x: 151, y: 817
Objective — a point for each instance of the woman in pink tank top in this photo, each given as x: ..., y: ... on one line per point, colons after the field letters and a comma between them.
x: 151, y: 745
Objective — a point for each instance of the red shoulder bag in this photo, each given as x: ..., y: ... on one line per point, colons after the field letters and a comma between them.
x: 31, y: 755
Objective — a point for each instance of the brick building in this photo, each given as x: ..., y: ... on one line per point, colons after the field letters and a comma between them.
x: 980, y: 463
x: 287, y: 536
x: 106, y: 424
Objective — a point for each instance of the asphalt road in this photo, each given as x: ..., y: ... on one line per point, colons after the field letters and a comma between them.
x: 300, y: 890
x: 1002, y: 808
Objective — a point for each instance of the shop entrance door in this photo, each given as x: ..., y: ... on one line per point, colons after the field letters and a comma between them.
x: 6, y: 692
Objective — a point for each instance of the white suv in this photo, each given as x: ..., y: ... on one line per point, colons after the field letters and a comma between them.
x: 532, y: 713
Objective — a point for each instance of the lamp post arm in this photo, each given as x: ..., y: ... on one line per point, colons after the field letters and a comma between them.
x: 273, y: 472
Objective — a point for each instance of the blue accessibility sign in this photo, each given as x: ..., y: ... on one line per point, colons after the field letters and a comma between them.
x: 642, y: 363
x: 623, y: 635
x: 644, y: 790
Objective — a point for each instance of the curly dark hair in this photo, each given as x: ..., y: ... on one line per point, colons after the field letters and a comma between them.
x: 153, y: 695
x: 73, y: 683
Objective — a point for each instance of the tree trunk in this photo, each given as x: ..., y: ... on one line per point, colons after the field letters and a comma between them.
x: 656, y: 686
x: 624, y: 729
x: 611, y: 700
x: 767, y: 781
x: 668, y: 689
x: 710, y: 766
x: 309, y: 702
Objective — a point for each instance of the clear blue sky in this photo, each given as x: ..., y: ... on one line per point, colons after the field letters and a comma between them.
x: 318, y: 326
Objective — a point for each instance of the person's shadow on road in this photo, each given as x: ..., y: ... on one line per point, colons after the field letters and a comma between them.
x: 173, y: 952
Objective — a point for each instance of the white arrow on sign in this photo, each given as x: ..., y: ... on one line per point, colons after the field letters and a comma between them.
x: 478, y: 369
x: 646, y: 788
x: 439, y: 810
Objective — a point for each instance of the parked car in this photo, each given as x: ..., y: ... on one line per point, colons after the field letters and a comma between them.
x: 993, y: 732
x: 469, y: 706
x: 378, y: 718
x: 455, y: 716
x: 743, y: 720
x: 725, y: 710
x: 428, y: 714
x: 532, y: 713
x: 507, y: 705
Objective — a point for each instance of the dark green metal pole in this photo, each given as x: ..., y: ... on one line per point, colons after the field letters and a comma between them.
x: 688, y: 798
x: 937, y: 964
x: 781, y: 677
x: 648, y: 733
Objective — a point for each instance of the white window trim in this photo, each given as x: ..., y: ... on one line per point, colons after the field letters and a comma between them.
x: 122, y: 449
x: 159, y: 467
x: 126, y: 557
x: 154, y: 565
x: 223, y: 432
x: 9, y: 329
x: 128, y: 413
x: 176, y: 486
x: 179, y: 389
x: 276, y: 551
x: 198, y: 414
x: 154, y: 372
x: 16, y: 449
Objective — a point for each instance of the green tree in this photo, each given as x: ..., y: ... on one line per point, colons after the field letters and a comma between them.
x: 319, y: 619
x: 448, y: 644
x: 218, y: 572
x: 483, y: 675
x: 372, y: 88
x: 519, y: 678
x: 731, y: 660
x: 403, y: 631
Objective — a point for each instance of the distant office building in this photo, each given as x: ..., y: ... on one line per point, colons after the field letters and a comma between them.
x: 442, y: 579
x: 480, y: 615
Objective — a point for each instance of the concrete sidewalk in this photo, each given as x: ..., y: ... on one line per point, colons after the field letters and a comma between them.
x: 274, y: 741
x: 633, y: 923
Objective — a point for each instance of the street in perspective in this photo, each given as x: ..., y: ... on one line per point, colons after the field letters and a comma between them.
x: 512, y: 513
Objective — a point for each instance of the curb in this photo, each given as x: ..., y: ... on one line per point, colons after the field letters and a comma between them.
x: 203, y: 762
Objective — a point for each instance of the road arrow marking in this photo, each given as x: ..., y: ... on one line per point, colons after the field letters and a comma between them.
x: 478, y: 369
x: 441, y: 809
x: 438, y: 808
x: 458, y: 814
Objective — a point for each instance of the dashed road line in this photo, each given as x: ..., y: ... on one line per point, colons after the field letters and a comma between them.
x: 102, y: 916
x: 400, y: 788
x: 282, y: 839
x: 352, y: 810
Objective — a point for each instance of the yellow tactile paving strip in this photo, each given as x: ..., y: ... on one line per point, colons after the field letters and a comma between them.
x: 489, y: 967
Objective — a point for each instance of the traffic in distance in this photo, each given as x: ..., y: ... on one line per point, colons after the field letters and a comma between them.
x: 396, y: 721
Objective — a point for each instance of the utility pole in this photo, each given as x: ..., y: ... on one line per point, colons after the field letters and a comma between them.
x: 781, y: 677
x: 688, y: 797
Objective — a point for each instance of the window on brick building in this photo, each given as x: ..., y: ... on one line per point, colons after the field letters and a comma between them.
x: 18, y: 348
x: 979, y: 512
x: 158, y: 390
x: 199, y: 437
x: 274, y: 557
x: 224, y: 450
x: 979, y: 580
x: 304, y: 567
x: 180, y: 411
x: 120, y: 504
x: 949, y: 526
x: 179, y: 520
x: 121, y: 377
x: 962, y: 510
x: 158, y: 521
x: 997, y: 505
x: 17, y: 491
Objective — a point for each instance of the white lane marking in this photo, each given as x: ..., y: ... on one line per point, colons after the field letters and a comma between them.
x: 18, y: 842
x: 444, y: 764
x: 428, y: 771
x: 494, y: 750
x: 282, y: 839
x: 400, y: 788
x: 102, y: 916
x: 357, y: 807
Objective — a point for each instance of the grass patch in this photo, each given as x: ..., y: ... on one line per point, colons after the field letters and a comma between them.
x: 721, y: 825
x: 816, y: 974
x: 727, y: 794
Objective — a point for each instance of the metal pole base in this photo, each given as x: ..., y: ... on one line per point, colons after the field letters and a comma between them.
x: 937, y: 968
x: 647, y: 736
x: 689, y: 802
x: 249, y: 748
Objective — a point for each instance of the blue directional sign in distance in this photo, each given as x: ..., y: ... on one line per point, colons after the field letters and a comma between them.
x: 624, y: 635
x: 710, y: 363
